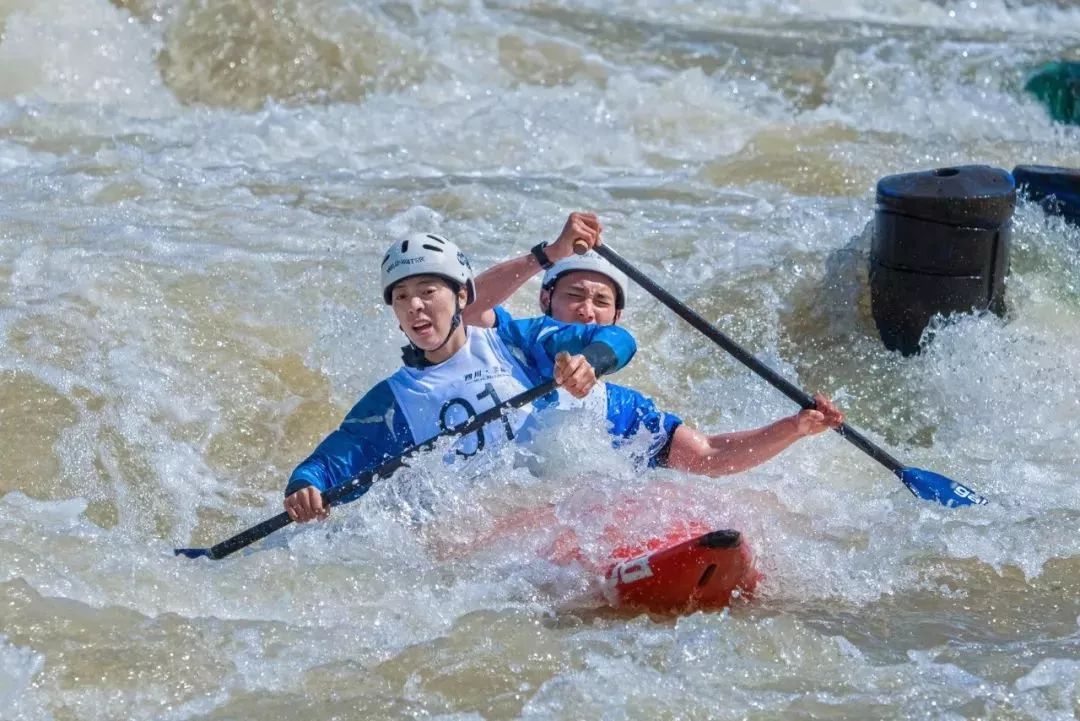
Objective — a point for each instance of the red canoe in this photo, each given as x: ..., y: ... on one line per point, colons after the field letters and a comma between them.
x: 686, y: 568
x: 703, y: 573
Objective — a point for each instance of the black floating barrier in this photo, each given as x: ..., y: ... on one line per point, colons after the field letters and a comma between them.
x: 941, y: 245
x: 1056, y: 189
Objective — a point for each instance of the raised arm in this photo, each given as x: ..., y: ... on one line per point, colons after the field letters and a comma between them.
x: 537, y: 341
x: 608, y: 348
x: 502, y: 280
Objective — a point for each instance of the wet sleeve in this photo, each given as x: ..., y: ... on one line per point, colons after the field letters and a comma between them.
x: 540, y: 339
x: 374, y: 431
x: 630, y: 414
x: 502, y: 316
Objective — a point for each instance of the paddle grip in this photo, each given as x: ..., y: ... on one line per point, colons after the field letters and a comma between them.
x: 581, y: 247
x: 743, y: 356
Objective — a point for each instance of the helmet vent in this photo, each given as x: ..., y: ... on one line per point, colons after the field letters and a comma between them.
x: 436, y: 238
x: 404, y: 246
x: 436, y: 248
x: 385, y: 258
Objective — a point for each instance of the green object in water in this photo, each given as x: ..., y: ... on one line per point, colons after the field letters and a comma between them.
x: 1057, y: 85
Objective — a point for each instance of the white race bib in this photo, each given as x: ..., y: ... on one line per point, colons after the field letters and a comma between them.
x: 482, y: 374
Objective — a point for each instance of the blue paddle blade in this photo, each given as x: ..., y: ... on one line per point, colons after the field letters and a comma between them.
x: 935, y: 487
x: 193, y: 552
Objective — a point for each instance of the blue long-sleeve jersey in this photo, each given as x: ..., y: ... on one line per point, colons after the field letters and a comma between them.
x: 627, y: 413
x: 415, y: 404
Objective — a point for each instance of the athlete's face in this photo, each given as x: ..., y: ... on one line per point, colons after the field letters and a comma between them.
x: 425, y: 307
x: 582, y: 296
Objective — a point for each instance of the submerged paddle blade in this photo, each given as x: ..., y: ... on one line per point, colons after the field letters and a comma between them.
x: 936, y: 487
x: 193, y: 552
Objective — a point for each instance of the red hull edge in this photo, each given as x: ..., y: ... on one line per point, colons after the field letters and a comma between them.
x: 703, y: 573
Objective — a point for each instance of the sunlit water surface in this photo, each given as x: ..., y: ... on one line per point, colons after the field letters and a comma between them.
x: 195, y: 196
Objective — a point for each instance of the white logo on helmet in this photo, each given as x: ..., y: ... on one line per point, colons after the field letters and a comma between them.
x: 426, y: 254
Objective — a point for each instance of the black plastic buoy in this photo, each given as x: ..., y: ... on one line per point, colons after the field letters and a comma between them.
x: 941, y: 245
x: 1056, y: 189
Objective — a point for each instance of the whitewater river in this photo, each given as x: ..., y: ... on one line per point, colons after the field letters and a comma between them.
x: 195, y: 195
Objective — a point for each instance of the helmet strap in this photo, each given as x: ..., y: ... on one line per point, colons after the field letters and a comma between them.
x: 550, y: 288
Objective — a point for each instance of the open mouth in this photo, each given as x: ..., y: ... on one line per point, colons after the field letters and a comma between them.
x: 422, y: 327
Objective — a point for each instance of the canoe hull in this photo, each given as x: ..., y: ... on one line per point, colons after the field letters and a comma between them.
x: 703, y: 573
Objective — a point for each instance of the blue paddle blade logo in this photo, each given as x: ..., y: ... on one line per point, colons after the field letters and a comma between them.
x: 935, y: 487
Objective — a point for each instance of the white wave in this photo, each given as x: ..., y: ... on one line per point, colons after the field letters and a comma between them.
x: 19, y: 701
x: 76, y: 51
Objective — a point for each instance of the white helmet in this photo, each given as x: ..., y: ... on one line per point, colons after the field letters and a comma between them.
x: 589, y: 260
x: 426, y: 254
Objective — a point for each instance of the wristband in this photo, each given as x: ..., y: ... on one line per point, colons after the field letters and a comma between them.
x: 541, y: 257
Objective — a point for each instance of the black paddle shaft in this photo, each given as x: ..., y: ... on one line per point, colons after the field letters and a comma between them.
x: 361, y: 483
x: 775, y: 379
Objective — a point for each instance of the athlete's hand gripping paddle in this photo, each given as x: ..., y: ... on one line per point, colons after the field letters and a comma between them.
x: 361, y: 483
x: 924, y: 484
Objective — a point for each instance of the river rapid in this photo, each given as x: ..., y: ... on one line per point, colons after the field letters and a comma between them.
x: 195, y: 196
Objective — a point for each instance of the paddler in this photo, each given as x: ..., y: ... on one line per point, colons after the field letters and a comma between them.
x: 451, y: 370
x: 586, y: 289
